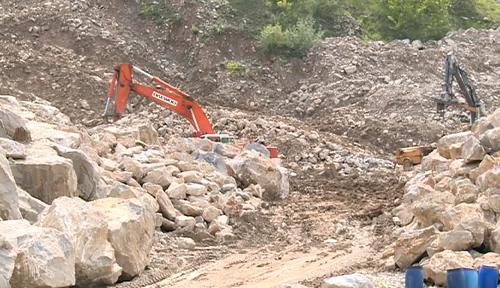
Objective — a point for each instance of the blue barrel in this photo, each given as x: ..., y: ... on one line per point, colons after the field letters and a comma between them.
x: 488, y: 277
x: 462, y: 278
x: 414, y: 277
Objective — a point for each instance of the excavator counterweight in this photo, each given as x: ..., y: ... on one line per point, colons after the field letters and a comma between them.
x: 165, y: 95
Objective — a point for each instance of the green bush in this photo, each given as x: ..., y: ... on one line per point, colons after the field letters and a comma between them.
x: 159, y: 11
x: 424, y: 20
x: 153, y: 10
x: 272, y: 38
x: 295, y: 41
x: 278, y: 23
x: 301, y: 37
x: 235, y: 68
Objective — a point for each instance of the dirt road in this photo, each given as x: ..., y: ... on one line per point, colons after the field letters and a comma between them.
x: 265, y: 268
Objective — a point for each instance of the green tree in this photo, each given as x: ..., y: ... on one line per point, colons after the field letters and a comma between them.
x: 294, y: 41
x: 415, y: 19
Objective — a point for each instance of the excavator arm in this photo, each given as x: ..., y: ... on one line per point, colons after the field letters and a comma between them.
x: 165, y: 95
x: 448, y: 98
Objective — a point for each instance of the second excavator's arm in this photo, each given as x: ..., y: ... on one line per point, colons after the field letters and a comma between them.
x: 165, y: 95
x: 453, y: 70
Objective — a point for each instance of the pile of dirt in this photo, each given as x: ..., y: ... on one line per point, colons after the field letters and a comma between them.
x: 376, y: 94
x: 382, y: 94
x: 334, y: 115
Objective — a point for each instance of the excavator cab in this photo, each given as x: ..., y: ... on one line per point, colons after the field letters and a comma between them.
x: 222, y: 138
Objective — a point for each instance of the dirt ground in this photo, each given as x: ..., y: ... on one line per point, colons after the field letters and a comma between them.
x: 328, y: 226
x: 65, y: 51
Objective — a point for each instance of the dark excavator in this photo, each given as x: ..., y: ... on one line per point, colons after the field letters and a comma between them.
x: 448, y: 99
x: 410, y: 156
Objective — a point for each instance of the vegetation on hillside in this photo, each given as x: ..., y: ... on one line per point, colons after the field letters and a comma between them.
x: 291, y: 27
x: 278, y: 20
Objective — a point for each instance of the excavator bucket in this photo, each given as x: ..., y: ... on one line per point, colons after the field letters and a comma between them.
x: 110, y: 97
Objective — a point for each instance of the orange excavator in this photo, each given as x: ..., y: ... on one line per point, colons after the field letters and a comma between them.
x: 167, y: 96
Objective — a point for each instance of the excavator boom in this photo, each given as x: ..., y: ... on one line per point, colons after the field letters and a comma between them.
x: 448, y: 98
x: 166, y: 95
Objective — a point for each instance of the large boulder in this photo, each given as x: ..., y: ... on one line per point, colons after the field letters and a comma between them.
x: 348, y: 281
x: 473, y: 150
x: 90, y: 184
x: 131, y: 227
x: 488, y: 259
x: 435, y: 162
x: 453, y: 216
x: 493, y: 199
x: 494, y: 239
x: 431, y: 207
x: 45, y: 175
x: 491, y: 140
x: 416, y: 191
x: 7, y: 261
x: 191, y: 176
x: 44, y: 256
x: 13, y: 126
x: 45, y: 131
x: 194, y: 189
x: 9, y: 202
x: 213, y: 158
x: 485, y: 165
x: 478, y: 227
x: 177, y: 191
x: 489, y: 179
x: 486, y: 123
x: 411, y: 246
x: 251, y: 168
x: 166, y: 207
x: 29, y: 206
x: 134, y: 166
x: 462, y: 168
x: 161, y: 176
x: 88, y: 231
x: 148, y: 134
x: 13, y: 149
x: 447, y: 144
x: 456, y: 240
x: 435, y: 269
x: 464, y: 190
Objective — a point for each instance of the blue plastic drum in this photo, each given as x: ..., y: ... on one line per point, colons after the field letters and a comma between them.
x: 414, y: 277
x: 462, y: 278
x: 488, y: 277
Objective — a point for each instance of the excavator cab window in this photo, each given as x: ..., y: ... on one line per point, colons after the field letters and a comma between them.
x: 225, y: 139
x: 228, y: 140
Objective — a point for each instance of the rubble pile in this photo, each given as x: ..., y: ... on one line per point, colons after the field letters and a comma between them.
x: 448, y: 214
x: 382, y: 93
x: 302, y: 149
x: 377, y: 94
x: 93, y: 199
x: 61, y: 50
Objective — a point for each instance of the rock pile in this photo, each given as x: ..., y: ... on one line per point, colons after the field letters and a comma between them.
x: 450, y: 209
x: 382, y: 93
x: 302, y: 149
x: 93, y: 198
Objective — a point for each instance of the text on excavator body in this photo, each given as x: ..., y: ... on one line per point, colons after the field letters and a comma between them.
x: 164, y: 98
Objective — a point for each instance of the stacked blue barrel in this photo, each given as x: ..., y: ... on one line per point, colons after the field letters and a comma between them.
x: 487, y: 277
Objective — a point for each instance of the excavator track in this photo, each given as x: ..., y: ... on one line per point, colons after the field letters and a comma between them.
x: 151, y: 279
x: 158, y: 276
